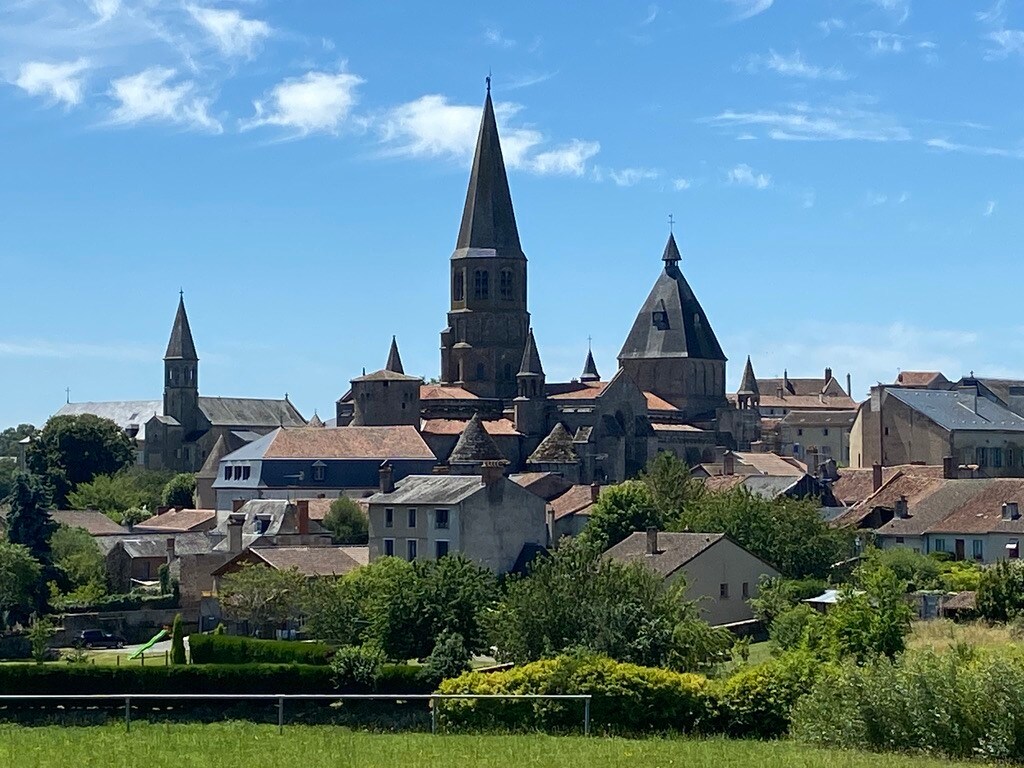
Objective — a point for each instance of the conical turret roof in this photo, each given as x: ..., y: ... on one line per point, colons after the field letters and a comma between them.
x: 316, y: 421
x: 181, y: 346
x: 671, y: 322
x: 748, y: 385
x: 590, y: 369
x: 488, y: 220
x: 475, y: 446
x: 394, y: 359
x: 531, y: 365
x: 556, y: 448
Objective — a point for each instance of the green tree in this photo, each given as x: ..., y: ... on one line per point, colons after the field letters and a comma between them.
x: 619, y: 511
x: 109, y: 494
x: 919, y: 571
x: 870, y: 623
x: 671, y: 485
x: 8, y: 472
x: 786, y: 533
x: 78, y: 560
x: 262, y: 596
x: 180, y: 491
x: 20, y: 576
x: 347, y: 522
x: 75, y: 449
x: 28, y: 521
x: 450, y: 657
x: 39, y: 635
x: 178, y: 641
x: 1001, y: 591
x: 12, y: 436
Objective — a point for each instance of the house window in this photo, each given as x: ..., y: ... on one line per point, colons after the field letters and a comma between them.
x: 389, y: 547
x: 723, y: 591
x: 412, y: 517
x: 238, y: 473
x: 245, y: 473
x: 459, y: 286
x: 505, y: 284
x: 227, y: 473
x: 319, y: 468
x: 981, y: 456
x: 996, y: 456
x: 899, y: 539
x: 441, y: 519
x: 825, y: 432
x: 886, y: 431
x: 940, y: 545
x: 1010, y: 457
x: 481, y: 287
x: 389, y: 518
x: 1013, y: 549
x: 800, y: 432
x: 746, y: 590
x: 440, y: 549
x: 978, y: 549
x: 410, y: 547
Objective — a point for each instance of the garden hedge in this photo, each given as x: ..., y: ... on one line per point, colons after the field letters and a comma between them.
x: 228, y: 649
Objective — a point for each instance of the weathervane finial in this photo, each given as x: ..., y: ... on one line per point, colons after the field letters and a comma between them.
x: 488, y: 80
x: 671, y: 223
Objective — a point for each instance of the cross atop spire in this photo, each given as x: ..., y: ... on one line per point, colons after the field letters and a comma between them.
x: 181, y: 346
x: 394, y: 359
x: 671, y: 223
x: 488, y: 220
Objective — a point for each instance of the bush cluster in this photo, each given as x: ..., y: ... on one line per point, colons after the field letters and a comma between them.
x: 957, y: 705
x: 129, y: 602
x: 229, y: 649
x: 630, y: 699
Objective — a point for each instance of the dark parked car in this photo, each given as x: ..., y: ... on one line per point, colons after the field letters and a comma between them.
x: 97, y: 638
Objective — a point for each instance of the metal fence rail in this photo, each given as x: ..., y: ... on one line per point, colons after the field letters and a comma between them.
x: 281, y: 698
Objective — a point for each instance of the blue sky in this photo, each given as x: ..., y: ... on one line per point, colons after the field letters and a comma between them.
x: 845, y: 178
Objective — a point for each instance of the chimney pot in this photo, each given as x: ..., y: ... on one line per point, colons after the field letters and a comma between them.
x: 237, y: 504
x: 902, y: 509
x: 595, y: 491
x: 948, y: 468
x: 728, y: 464
x: 876, y: 477
x: 387, y: 478
x: 652, y: 540
x: 302, y: 516
x: 828, y: 376
x: 235, y: 523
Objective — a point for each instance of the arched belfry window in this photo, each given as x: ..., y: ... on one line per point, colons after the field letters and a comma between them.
x: 505, y: 285
x: 459, y: 286
x: 481, y: 372
x: 481, y: 285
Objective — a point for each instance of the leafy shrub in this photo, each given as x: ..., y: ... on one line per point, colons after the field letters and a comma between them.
x: 180, y: 491
x: 229, y: 649
x: 1001, y: 591
x: 627, y: 698
x: 449, y: 657
x: 956, y: 705
x: 178, y: 641
x: 792, y: 628
x: 132, y: 601
x: 758, y: 701
x: 358, y: 666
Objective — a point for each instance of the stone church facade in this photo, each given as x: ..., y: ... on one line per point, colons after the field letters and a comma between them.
x: 668, y: 394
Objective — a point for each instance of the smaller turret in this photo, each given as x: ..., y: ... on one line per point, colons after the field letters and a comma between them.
x: 748, y: 396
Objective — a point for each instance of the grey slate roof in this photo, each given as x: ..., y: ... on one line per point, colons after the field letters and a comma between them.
x: 180, y: 346
x: 250, y: 412
x: 211, y: 467
x: 475, y: 446
x: 959, y: 409
x: 431, y: 489
x: 674, y: 550
x: 121, y: 412
x: 820, y: 418
x: 682, y: 330
x: 394, y: 363
x: 531, y: 358
x: 556, y: 448
x: 748, y: 384
x: 155, y: 544
x: 488, y: 221
x: 590, y: 369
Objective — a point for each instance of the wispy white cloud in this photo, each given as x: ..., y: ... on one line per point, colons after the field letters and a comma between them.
x: 875, y: 199
x: 898, y: 9
x: 150, y: 96
x: 494, y: 36
x: 794, y: 65
x: 745, y: 9
x: 105, y: 10
x: 526, y: 80
x: 996, y: 14
x: 629, y: 177
x: 974, y: 149
x: 803, y: 122
x: 680, y: 184
x: 807, y: 199
x: 60, y: 83
x: 234, y: 34
x: 1004, y: 43
x: 652, y: 14
x: 431, y: 126
x: 317, y: 102
x: 880, y: 42
x: 904, y: 197
x: 46, y: 348
x: 744, y: 176
x: 828, y: 26
x: 990, y: 208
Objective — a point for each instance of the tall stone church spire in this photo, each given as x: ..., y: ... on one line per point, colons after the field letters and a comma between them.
x: 181, y: 373
x: 488, y: 320
x: 394, y: 359
x: 181, y: 346
x: 748, y: 395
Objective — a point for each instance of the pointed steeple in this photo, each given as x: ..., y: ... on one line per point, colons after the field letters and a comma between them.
x: 181, y: 346
x: 748, y: 385
x: 316, y: 421
x: 590, y: 369
x: 488, y: 220
x: 475, y: 445
x: 531, y: 358
x: 556, y: 448
x: 394, y: 359
x: 671, y: 255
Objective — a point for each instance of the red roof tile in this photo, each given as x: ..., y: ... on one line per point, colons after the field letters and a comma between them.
x: 398, y: 442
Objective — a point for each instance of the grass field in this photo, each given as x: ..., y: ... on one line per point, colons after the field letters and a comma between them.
x: 942, y: 634
x: 239, y: 745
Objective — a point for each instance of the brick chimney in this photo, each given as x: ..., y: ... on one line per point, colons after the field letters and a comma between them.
x: 235, y: 523
x: 387, y: 478
x: 948, y: 468
x: 595, y: 491
x: 170, y: 550
x: 728, y: 464
x: 652, y: 540
x: 492, y: 472
x: 828, y: 377
x: 812, y: 462
x: 902, y: 508
x: 876, y: 477
x: 302, y: 516
x: 237, y: 504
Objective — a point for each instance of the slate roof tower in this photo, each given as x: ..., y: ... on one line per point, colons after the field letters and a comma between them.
x: 671, y: 349
x: 181, y: 374
x: 488, y: 320
x: 748, y: 395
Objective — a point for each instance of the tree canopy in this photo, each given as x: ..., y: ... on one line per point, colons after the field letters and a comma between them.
x: 19, y: 579
x: 10, y: 437
x: 28, y: 521
x: 262, y: 596
x: 75, y: 449
x: 619, y: 511
x: 347, y: 522
x: 180, y: 491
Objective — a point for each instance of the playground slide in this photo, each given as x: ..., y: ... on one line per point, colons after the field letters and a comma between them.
x: 152, y: 641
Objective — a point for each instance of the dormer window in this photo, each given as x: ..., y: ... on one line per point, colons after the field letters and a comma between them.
x: 319, y: 470
x: 660, y: 319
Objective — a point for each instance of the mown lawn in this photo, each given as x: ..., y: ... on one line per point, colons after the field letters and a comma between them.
x: 243, y: 745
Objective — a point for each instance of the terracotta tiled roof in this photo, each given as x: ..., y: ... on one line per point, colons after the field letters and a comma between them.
x: 655, y: 403
x: 719, y: 483
x: 397, y: 442
x: 456, y: 427
x: 178, y: 520
x: 547, y: 485
x: 919, y: 378
x: 577, y: 500
x: 855, y: 485
x: 310, y: 561
x: 576, y: 390
x: 445, y: 392
x: 771, y: 464
x: 318, y: 508
x: 93, y: 522
x: 807, y: 402
x: 982, y: 511
x: 961, y: 601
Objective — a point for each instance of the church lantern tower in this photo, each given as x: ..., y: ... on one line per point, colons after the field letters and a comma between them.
x: 488, y: 322
x: 181, y: 374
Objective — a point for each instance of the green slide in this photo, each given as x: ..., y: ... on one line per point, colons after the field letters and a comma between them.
x: 153, y: 641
